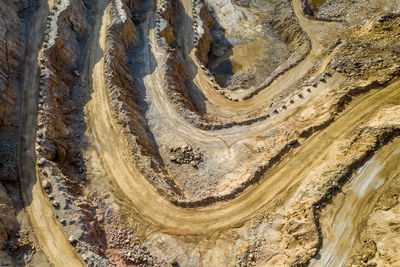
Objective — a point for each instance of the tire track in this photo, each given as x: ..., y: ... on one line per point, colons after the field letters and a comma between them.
x: 170, y: 218
x: 47, y: 229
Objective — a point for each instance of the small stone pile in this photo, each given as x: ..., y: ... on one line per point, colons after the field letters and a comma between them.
x: 186, y: 155
x: 139, y: 256
x: 119, y: 238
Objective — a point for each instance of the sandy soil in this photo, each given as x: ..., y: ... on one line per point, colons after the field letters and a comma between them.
x: 232, y: 151
x: 52, y: 240
x: 343, y: 221
x: 147, y: 200
x: 320, y: 34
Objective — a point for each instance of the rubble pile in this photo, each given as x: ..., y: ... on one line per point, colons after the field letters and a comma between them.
x: 186, y: 155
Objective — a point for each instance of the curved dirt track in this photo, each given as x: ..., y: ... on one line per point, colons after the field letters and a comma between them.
x: 318, y: 32
x: 52, y: 240
x: 221, y: 215
x: 217, y: 105
x: 106, y: 135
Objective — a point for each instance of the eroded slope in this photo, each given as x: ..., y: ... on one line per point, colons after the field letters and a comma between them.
x: 198, y: 133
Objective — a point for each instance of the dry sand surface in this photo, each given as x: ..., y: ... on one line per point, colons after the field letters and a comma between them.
x: 200, y: 133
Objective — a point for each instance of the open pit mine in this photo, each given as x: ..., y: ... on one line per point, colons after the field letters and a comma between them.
x: 199, y: 133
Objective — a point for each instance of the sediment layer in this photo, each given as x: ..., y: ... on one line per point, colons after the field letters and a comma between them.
x: 198, y: 133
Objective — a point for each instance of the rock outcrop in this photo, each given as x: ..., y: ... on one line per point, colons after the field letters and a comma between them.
x: 61, y: 124
x: 194, y: 133
x: 124, y: 95
x: 173, y: 72
x: 12, y: 50
x: 356, y: 56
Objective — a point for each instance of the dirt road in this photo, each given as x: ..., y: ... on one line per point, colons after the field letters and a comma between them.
x: 351, y: 210
x: 47, y: 229
x: 107, y: 137
x: 319, y: 32
x: 145, y: 200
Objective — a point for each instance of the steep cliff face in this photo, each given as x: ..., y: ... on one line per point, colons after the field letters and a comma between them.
x: 11, y: 52
x: 202, y: 24
x: 61, y: 125
x: 61, y: 55
x: 252, y: 42
x: 11, y: 55
x: 174, y: 66
x: 124, y: 93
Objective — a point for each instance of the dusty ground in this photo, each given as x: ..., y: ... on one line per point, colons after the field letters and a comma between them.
x: 199, y: 133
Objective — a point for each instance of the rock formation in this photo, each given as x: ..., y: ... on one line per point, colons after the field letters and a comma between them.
x: 199, y: 133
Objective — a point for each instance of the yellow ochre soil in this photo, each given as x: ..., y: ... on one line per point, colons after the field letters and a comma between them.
x: 199, y: 133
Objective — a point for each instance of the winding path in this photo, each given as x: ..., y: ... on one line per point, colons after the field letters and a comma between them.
x: 274, y: 185
x: 319, y: 33
x: 140, y: 194
x: 52, y: 240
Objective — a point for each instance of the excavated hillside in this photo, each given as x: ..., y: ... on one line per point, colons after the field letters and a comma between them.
x: 199, y: 133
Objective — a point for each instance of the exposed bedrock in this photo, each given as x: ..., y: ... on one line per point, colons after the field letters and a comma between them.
x: 173, y: 67
x: 351, y: 11
x: 288, y: 234
x: 12, y: 52
x: 378, y: 242
x: 61, y: 52
x: 126, y: 96
x: 217, y: 180
x: 180, y: 88
x: 166, y: 22
x: 257, y: 30
x: 373, y: 52
x: 295, y: 227
x: 202, y: 39
x: 62, y: 170
x: 124, y: 92
x: 197, y: 133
